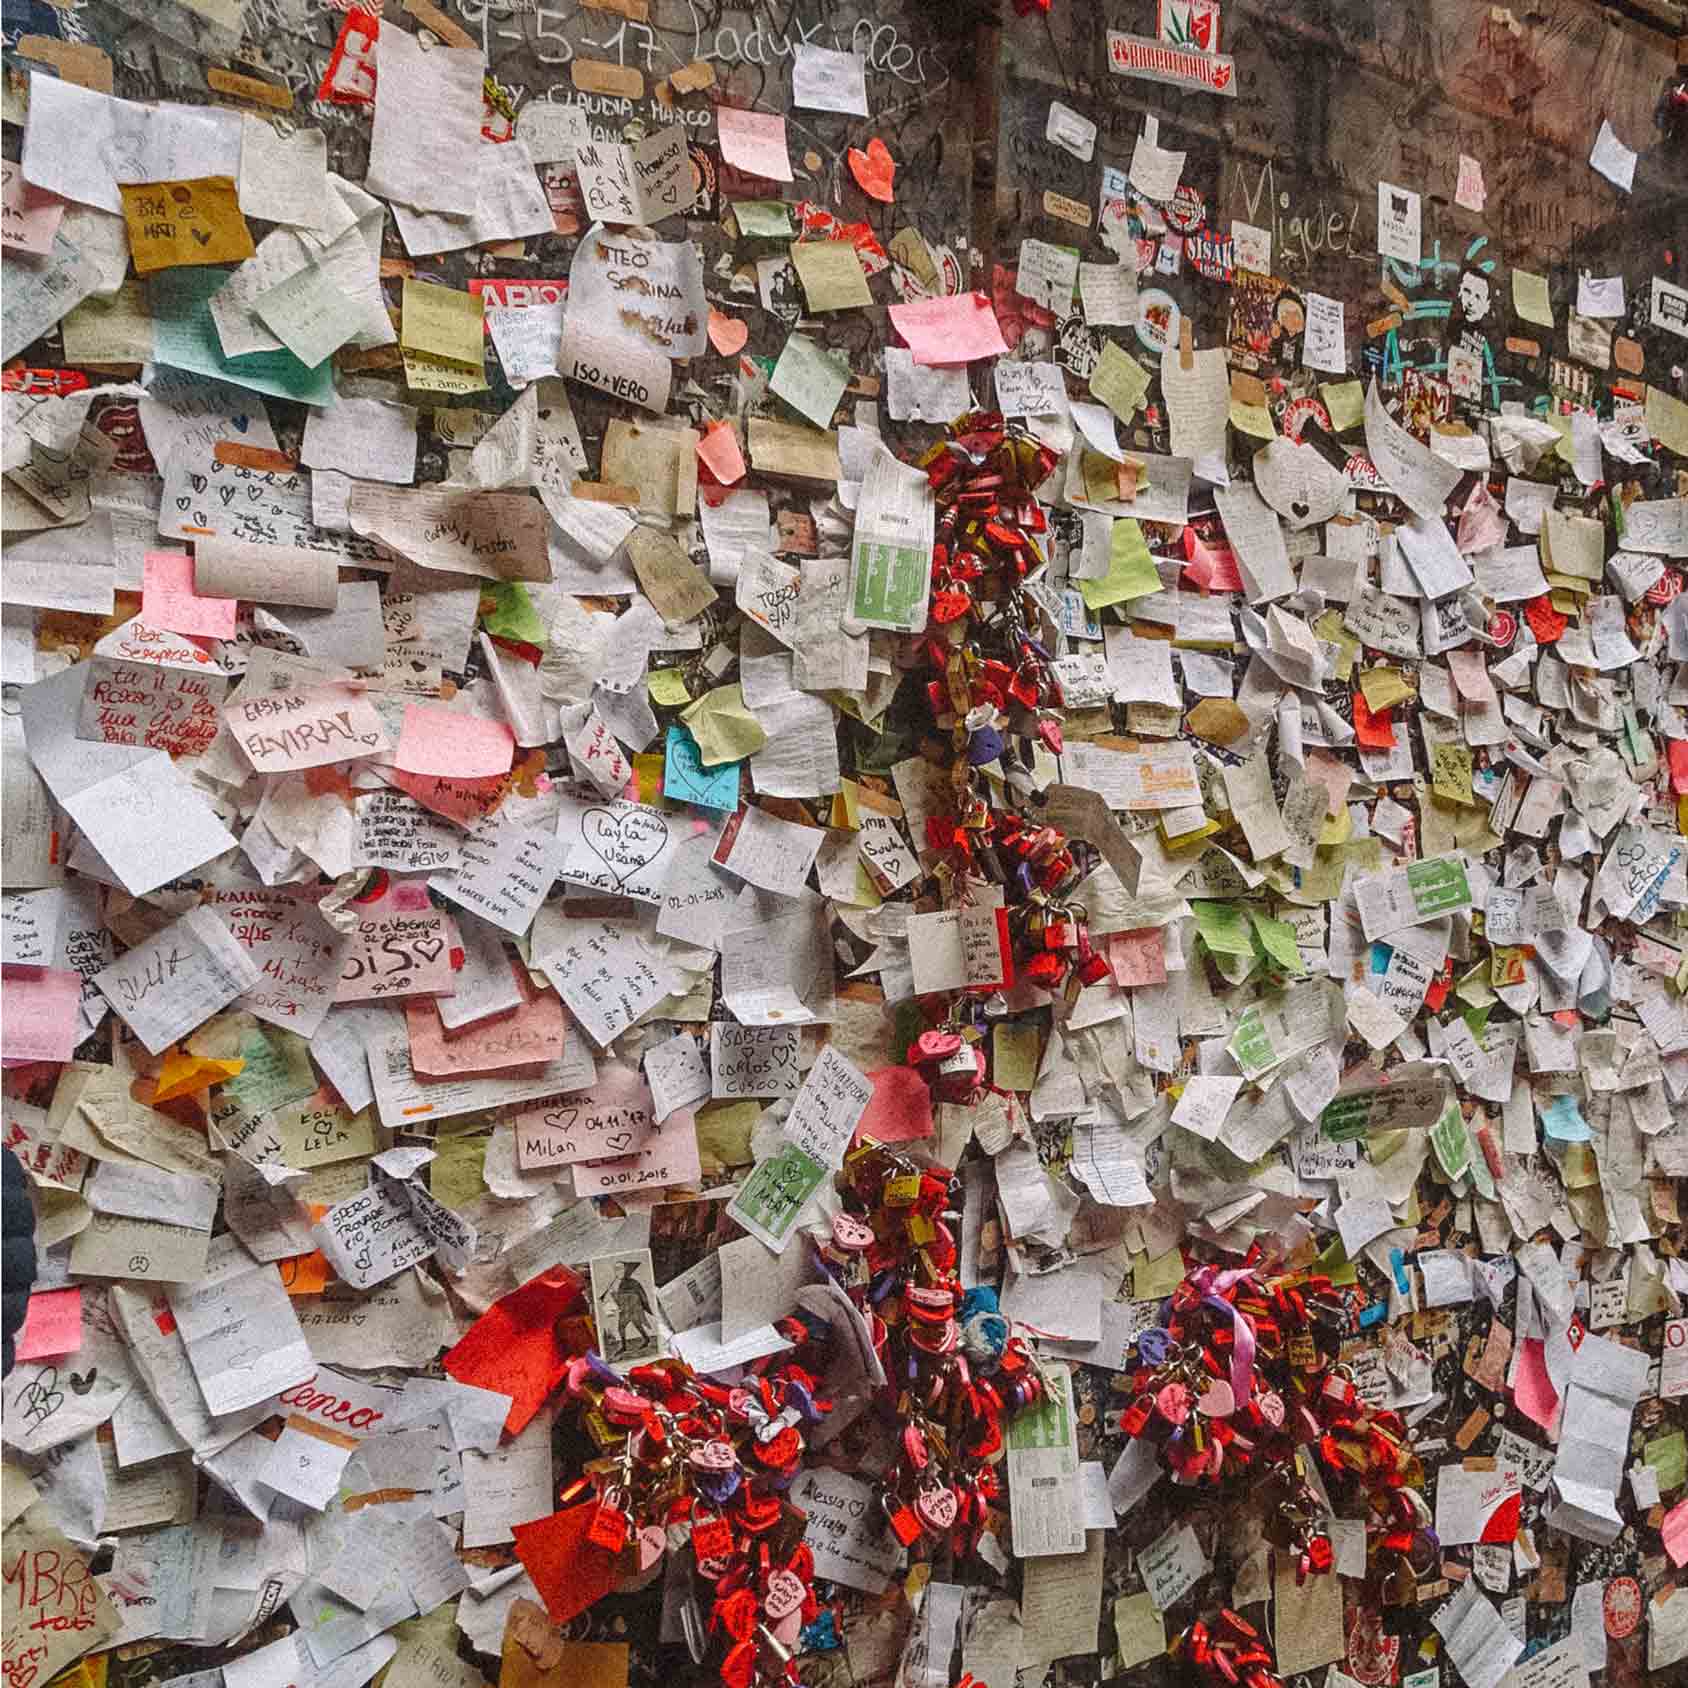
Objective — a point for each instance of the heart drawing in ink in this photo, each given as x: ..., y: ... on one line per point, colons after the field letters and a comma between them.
x: 626, y: 843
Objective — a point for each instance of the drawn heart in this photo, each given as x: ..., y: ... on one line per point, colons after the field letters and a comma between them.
x: 856, y: 1508
x: 82, y: 1382
x: 785, y: 1594
x: 201, y: 235
x: 226, y: 493
x: 873, y: 169
x: 727, y: 334
x: 626, y: 843
x: 619, y: 1141
x: 428, y: 949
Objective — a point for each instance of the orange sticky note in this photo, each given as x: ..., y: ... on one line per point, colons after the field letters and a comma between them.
x: 304, y: 1274
x: 53, y: 1324
x: 1374, y: 729
x: 168, y: 599
x: 188, y: 222
x: 181, y: 1074
x: 455, y: 746
x: 720, y: 454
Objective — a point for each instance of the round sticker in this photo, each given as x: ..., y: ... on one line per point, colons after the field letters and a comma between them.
x: 1158, y: 317
x: 1503, y: 628
x: 1622, y: 1606
x: 1186, y: 211
x: 1299, y: 412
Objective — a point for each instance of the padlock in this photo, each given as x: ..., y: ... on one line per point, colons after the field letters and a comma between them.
x: 712, y: 1535
x: 905, y: 1525
x: 609, y: 1525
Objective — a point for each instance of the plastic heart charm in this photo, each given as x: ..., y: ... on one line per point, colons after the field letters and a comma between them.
x: 1217, y: 1400
x: 785, y: 1595
x: 936, y: 1508
x: 873, y: 169
x: 652, y: 1543
x: 850, y: 1234
x: 714, y: 1456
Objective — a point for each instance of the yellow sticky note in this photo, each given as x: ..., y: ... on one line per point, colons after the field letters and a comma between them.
x: 1014, y: 1050
x: 181, y: 1074
x: 1529, y: 298
x: 1383, y: 687
x: 831, y: 273
x: 724, y: 728
x: 1153, y: 1278
x: 1667, y: 420
x: 1346, y: 403
x: 443, y: 322
x: 667, y: 686
x: 1450, y: 772
x: 723, y: 1133
x: 454, y: 1174
x: 1131, y: 570
x: 1254, y: 419
x: 1120, y: 381
x: 191, y: 222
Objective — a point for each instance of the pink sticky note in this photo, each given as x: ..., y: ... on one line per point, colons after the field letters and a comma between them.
x: 1212, y: 566
x: 1677, y: 750
x: 441, y: 741
x: 949, y: 330
x: 1138, y: 957
x: 29, y: 216
x: 168, y: 599
x: 53, y: 1324
x: 1532, y: 1391
x: 754, y: 142
x: 1674, y: 1532
x: 901, y: 1109
x: 719, y: 453
x: 43, y: 1019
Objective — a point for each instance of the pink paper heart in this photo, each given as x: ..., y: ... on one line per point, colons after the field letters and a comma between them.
x: 873, y: 169
x: 727, y: 334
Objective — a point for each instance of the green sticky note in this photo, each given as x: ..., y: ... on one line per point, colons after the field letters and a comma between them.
x: 1438, y: 886
x: 1223, y: 927
x: 1668, y: 1455
x: 277, y: 1070
x: 1251, y: 1045
x: 1451, y: 1141
x: 1277, y: 938
x: 1119, y: 381
x: 1153, y: 1278
x: 185, y: 337
x: 1131, y: 570
x: 763, y: 218
x: 513, y: 616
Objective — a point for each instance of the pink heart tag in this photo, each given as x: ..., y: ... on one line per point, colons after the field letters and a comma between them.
x: 936, y: 1508
x: 652, y: 1544
x: 785, y: 1595
x: 727, y: 334
x: 1218, y: 1401
x: 873, y: 169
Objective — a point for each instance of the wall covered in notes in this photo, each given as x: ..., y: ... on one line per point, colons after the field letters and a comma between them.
x: 844, y: 844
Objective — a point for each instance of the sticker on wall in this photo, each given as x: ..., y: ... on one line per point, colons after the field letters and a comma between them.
x: 1182, y: 67
x: 1158, y: 317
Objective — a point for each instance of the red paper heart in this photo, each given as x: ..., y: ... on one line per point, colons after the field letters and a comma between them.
x: 873, y: 169
x: 727, y: 334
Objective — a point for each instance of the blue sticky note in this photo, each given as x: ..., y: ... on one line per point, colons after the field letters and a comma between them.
x: 1380, y: 957
x: 686, y: 780
x: 185, y: 337
x: 1563, y: 1120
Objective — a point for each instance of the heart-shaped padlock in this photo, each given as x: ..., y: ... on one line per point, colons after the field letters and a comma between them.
x: 936, y: 1507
